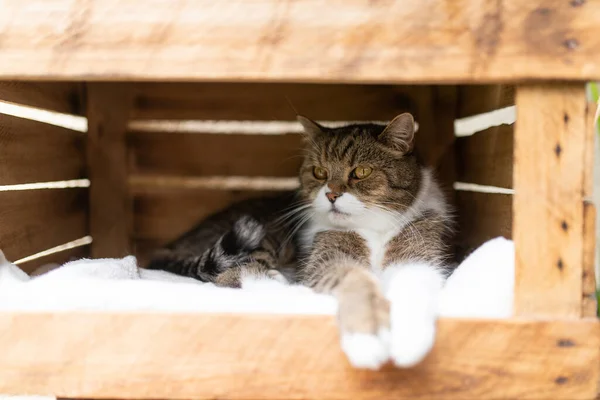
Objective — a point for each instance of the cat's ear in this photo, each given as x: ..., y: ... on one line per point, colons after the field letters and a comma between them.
x: 310, y: 126
x: 400, y: 134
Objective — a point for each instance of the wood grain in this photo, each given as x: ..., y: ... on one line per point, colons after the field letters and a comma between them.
x: 291, y: 357
x: 436, y: 133
x: 481, y: 217
x: 408, y: 42
x: 437, y: 140
x: 110, y: 207
x: 32, y: 151
x: 166, y: 214
x: 589, y: 306
x: 478, y: 99
x: 35, y: 220
x: 191, y: 154
x: 64, y: 97
x: 550, y: 140
x: 589, y: 152
x: 486, y: 158
x: 271, y: 101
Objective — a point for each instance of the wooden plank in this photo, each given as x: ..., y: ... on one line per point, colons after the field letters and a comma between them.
x: 110, y: 208
x: 144, y: 249
x: 291, y: 357
x: 32, y: 151
x: 437, y: 41
x: 190, y: 154
x: 166, y: 214
x: 478, y: 99
x: 481, y: 217
x: 436, y: 138
x: 589, y: 151
x: 271, y: 101
x: 36, y: 220
x: 589, y: 306
x: 42, y: 265
x: 550, y: 139
x: 64, y: 97
x: 486, y: 158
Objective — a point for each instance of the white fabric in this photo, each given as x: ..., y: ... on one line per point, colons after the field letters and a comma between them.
x: 481, y: 287
x: 118, y: 285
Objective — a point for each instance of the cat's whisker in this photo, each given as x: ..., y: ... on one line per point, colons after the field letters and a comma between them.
x: 304, y: 219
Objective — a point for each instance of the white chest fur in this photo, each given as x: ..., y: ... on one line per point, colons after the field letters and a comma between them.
x: 377, y: 244
x: 376, y: 226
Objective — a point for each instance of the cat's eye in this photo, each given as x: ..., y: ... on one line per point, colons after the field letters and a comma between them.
x: 361, y: 172
x: 320, y: 173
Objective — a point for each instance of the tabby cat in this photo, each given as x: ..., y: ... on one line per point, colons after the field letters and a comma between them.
x: 369, y: 225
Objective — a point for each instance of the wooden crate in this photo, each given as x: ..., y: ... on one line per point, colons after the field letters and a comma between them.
x: 158, y: 161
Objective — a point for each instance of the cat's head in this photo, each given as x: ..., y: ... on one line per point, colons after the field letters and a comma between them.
x: 360, y: 175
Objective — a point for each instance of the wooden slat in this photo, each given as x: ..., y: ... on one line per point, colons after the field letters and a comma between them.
x: 550, y: 140
x: 166, y: 214
x: 589, y: 307
x: 32, y: 151
x: 589, y: 151
x: 478, y: 99
x: 271, y: 101
x: 215, y: 154
x: 64, y: 97
x: 35, y: 220
x: 144, y: 249
x: 35, y: 267
x: 481, y: 217
x: 412, y: 41
x: 285, y: 357
x: 486, y: 158
x: 436, y: 138
x: 110, y: 209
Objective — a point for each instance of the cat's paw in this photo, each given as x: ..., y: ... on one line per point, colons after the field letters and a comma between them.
x: 412, y: 291
x: 366, y: 351
x: 276, y: 276
x: 411, y: 342
x: 363, y: 315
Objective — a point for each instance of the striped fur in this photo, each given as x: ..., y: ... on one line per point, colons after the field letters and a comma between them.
x: 246, y: 239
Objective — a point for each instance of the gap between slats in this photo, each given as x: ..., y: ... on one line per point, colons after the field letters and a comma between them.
x: 68, y: 121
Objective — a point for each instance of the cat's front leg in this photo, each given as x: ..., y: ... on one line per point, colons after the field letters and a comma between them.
x: 363, y: 317
x: 262, y: 264
x: 412, y: 289
x: 363, y: 311
x: 339, y: 265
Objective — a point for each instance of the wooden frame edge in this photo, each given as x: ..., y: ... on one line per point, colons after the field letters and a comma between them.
x: 180, y: 356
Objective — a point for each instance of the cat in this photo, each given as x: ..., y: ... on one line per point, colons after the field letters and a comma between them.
x: 368, y: 225
x: 247, y: 239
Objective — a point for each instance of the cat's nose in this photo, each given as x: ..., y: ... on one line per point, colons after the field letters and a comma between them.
x: 332, y: 196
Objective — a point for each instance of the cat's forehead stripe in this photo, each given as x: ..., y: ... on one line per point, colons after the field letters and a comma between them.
x: 348, y: 145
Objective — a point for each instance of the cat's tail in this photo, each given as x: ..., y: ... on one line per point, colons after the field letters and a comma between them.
x: 231, y: 249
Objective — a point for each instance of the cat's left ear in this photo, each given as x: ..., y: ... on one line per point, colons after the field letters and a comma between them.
x: 400, y: 134
x: 310, y: 126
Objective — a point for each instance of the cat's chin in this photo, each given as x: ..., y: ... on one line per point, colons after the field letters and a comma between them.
x: 339, y: 218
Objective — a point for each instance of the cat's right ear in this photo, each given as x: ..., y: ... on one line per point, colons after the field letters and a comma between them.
x: 310, y: 126
x: 400, y: 134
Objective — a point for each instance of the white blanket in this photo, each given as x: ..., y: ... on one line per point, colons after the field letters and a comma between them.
x: 481, y: 287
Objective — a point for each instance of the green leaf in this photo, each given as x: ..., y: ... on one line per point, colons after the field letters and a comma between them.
x: 594, y: 91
